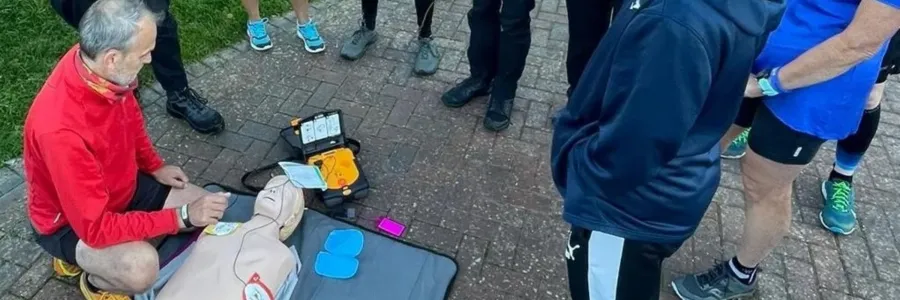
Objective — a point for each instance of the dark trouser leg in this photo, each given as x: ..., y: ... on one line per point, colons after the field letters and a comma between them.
x: 167, y: 65
x: 484, y: 23
x: 424, y: 14
x: 588, y: 23
x: 603, y: 266
x: 370, y: 13
x: 515, y: 41
x: 71, y: 11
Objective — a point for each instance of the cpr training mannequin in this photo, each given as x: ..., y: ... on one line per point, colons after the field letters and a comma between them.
x: 252, y: 259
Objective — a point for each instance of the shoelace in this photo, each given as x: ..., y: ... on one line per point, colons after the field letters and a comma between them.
x: 310, y: 30
x: 742, y: 138
x: 194, y: 100
x: 258, y: 30
x: 111, y: 296
x: 714, y: 275
x: 426, y: 49
x: 358, y: 35
x: 840, y: 200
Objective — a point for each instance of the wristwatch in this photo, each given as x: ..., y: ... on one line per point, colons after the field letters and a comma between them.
x: 183, y: 211
x: 768, y: 83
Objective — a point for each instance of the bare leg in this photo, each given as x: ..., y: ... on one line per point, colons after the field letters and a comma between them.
x: 301, y: 10
x: 128, y: 268
x: 767, y: 193
x: 729, y: 136
x: 179, y: 197
x: 252, y: 9
x: 132, y: 267
x: 875, y: 96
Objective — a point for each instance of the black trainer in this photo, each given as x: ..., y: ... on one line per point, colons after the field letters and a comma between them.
x: 191, y: 107
x: 465, y: 91
x: 498, y: 113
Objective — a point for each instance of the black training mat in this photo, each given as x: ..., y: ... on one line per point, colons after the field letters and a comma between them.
x: 389, y: 269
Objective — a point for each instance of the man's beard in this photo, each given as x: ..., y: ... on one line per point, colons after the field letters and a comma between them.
x: 122, y: 78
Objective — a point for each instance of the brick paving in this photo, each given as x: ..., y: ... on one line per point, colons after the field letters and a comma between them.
x: 484, y: 198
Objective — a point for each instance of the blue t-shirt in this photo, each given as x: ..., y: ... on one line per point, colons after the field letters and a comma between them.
x: 832, y: 109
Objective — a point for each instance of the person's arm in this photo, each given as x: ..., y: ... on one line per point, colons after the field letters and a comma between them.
x: 147, y: 158
x: 78, y: 178
x: 874, y: 23
x: 659, y: 80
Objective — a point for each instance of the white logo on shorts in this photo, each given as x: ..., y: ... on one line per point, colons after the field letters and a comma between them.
x: 797, y: 152
x: 570, y: 251
x: 635, y: 5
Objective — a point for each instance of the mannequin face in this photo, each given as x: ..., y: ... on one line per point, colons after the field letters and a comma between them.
x: 283, y: 202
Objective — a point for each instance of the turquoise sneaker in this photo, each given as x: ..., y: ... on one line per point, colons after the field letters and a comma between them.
x: 838, y: 215
x: 259, y: 38
x: 738, y: 147
x: 309, y: 33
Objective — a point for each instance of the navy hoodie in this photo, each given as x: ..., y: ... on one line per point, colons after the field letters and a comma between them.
x: 635, y: 151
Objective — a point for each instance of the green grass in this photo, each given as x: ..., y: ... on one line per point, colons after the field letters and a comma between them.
x: 34, y: 37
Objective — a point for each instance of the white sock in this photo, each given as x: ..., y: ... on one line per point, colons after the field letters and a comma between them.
x: 737, y: 272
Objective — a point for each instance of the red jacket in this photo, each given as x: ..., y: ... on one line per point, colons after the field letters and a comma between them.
x: 82, y: 153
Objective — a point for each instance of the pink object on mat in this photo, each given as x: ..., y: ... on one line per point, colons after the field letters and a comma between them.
x: 391, y: 227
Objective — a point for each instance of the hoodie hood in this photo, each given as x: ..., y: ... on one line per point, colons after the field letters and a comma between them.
x: 755, y: 17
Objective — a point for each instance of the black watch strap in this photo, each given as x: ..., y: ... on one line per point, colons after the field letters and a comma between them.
x: 185, y: 217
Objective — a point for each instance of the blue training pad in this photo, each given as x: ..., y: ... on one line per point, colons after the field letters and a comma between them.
x: 336, y: 266
x: 344, y: 242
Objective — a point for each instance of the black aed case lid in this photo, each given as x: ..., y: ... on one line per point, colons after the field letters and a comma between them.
x: 320, y: 132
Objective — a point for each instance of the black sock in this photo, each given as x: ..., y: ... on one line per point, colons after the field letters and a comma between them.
x: 744, y: 274
x: 424, y: 15
x: 838, y: 176
x: 369, y: 12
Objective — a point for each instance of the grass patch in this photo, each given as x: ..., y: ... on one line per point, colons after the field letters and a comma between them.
x: 35, y: 38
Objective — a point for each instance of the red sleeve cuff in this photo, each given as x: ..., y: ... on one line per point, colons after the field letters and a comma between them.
x: 175, y: 227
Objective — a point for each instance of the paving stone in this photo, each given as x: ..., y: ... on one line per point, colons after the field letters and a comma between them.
x: 509, y: 281
x: 19, y: 251
x: 434, y: 236
x: 8, y: 179
x: 57, y: 290
x: 485, y: 198
x: 33, y: 279
x: 10, y: 297
x: 801, y: 284
x: 9, y: 273
x: 829, y: 269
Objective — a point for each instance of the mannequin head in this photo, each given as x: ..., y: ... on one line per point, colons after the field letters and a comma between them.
x: 283, y: 202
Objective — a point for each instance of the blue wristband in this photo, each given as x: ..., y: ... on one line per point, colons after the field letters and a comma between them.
x: 776, y: 84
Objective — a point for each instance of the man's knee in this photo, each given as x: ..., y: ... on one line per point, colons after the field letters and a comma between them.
x: 765, y: 180
x: 133, y: 267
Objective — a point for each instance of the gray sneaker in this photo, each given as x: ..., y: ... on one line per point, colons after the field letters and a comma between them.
x: 428, y: 59
x: 355, y: 47
x: 715, y: 284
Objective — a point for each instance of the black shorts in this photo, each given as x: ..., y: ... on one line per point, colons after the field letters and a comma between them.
x: 150, y: 195
x: 890, y: 64
x: 772, y: 139
x: 604, y: 266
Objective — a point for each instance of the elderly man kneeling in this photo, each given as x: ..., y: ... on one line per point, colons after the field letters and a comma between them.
x: 98, y: 193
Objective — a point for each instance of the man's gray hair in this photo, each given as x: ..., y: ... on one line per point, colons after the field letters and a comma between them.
x: 112, y: 25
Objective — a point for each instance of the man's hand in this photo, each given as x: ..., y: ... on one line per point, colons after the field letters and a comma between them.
x: 172, y: 176
x: 208, y: 209
x: 752, y: 90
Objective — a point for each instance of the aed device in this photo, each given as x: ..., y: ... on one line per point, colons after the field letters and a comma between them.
x: 319, y: 140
